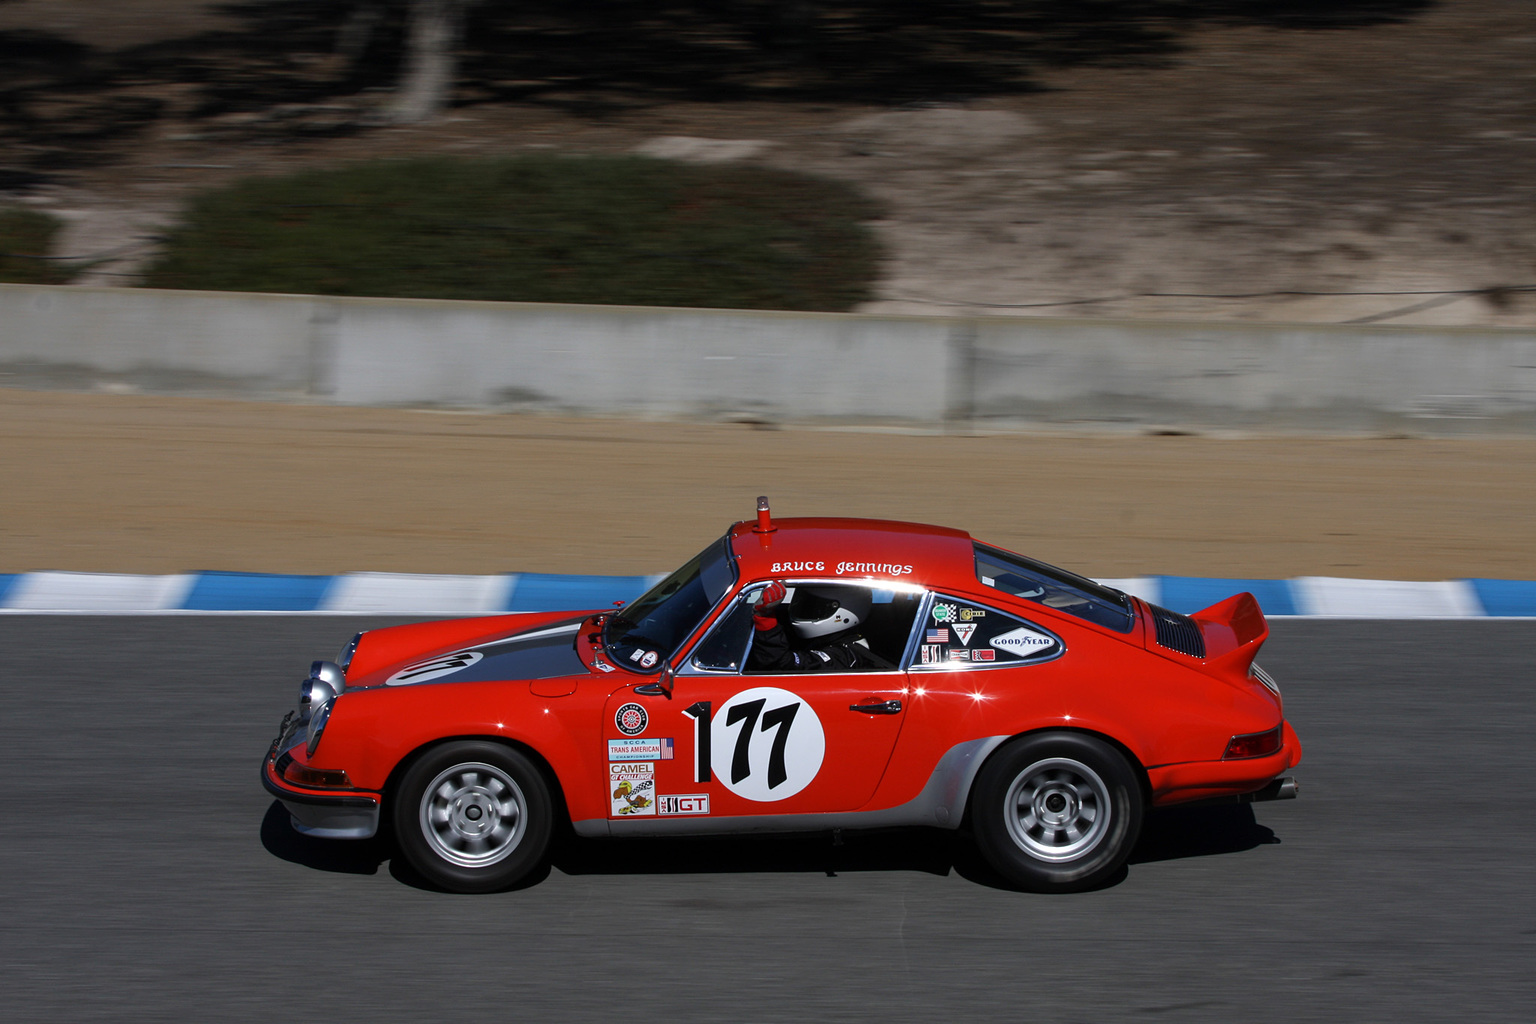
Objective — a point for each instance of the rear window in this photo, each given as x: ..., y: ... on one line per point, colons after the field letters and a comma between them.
x: 1054, y: 588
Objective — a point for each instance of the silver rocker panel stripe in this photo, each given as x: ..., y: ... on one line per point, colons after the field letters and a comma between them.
x: 941, y: 803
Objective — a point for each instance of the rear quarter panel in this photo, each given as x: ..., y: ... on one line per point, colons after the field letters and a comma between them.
x: 1163, y: 709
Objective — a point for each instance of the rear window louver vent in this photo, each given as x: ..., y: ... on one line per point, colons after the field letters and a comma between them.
x: 1178, y: 632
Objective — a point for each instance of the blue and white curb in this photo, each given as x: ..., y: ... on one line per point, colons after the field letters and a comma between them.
x: 1336, y: 597
x: 387, y: 593
x: 358, y: 593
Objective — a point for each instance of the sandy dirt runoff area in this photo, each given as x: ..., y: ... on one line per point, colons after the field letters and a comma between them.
x: 120, y: 483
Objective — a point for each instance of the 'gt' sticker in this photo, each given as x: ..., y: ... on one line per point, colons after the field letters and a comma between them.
x: 424, y: 671
x: 693, y: 803
x: 766, y: 744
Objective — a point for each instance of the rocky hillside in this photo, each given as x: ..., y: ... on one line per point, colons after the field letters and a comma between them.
x: 1342, y: 162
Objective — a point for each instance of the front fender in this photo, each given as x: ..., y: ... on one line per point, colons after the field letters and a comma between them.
x: 371, y: 732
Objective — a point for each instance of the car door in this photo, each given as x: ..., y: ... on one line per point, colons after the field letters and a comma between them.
x: 733, y: 742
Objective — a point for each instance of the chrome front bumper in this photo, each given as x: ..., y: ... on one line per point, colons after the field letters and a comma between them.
x: 322, y: 815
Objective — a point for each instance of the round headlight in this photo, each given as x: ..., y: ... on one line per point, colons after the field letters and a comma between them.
x: 314, y: 693
x: 325, y: 681
x: 331, y: 672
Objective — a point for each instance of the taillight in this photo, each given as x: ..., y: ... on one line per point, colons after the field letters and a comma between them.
x: 303, y: 775
x: 1254, y: 744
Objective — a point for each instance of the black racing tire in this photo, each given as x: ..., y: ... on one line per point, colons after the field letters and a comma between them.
x: 1057, y: 811
x: 473, y: 816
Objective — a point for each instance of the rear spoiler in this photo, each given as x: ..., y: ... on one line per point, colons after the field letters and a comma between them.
x: 1234, y: 630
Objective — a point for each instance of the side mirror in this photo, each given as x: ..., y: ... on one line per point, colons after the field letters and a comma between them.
x: 662, y: 687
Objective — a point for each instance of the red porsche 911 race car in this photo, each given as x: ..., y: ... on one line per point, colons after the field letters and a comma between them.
x: 798, y: 675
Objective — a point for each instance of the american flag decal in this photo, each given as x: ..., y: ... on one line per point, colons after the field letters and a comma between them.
x: 937, y: 636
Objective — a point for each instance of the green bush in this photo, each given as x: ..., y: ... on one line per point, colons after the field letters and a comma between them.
x: 25, y: 237
x: 540, y: 228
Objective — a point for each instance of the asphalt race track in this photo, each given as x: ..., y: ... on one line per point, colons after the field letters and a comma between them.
x: 145, y: 875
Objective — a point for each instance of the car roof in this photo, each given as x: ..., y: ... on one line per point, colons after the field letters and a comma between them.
x: 855, y: 549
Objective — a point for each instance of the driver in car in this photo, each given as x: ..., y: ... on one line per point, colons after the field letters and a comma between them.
x: 822, y: 633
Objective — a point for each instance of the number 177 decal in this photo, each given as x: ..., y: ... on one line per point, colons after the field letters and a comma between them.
x: 765, y: 743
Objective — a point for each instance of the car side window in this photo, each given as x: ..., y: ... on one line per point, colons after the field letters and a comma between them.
x: 886, y: 630
x: 883, y: 631
x: 725, y: 648
x: 959, y: 633
x: 1054, y: 588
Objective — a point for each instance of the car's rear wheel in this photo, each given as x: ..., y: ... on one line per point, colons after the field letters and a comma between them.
x: 1057, y: 812
x: 473, y: 816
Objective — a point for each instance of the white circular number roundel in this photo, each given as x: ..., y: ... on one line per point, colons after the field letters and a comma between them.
x: 766, y: 744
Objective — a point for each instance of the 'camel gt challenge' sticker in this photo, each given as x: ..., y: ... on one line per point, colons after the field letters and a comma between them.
x: 633, y: 789
x: 766, y: 744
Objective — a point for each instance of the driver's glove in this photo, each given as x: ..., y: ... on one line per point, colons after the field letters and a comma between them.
x: 762, y: 612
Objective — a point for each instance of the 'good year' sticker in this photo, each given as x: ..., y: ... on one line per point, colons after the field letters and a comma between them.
x: 1023, y: 643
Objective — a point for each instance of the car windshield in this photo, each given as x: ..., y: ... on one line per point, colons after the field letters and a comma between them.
x: 649, y: 630
x: 1054, y: 588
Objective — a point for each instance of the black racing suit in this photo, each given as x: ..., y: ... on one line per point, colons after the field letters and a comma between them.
x: 772, y: 652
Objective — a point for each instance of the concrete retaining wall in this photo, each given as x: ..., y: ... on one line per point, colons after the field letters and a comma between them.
x: 649, y: 362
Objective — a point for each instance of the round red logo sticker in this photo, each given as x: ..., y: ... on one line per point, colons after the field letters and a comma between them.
x: 630, y: 719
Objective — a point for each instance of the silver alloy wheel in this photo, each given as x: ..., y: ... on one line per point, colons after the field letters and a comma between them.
x: 473, y: 815
x: 1057, y: 809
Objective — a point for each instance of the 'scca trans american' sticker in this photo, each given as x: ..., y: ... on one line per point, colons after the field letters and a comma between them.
x: 640, y: 750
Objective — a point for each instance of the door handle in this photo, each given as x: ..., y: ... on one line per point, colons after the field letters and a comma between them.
x: 885, y: 707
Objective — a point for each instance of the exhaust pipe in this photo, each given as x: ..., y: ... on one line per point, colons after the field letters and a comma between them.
x: 1280, y: 789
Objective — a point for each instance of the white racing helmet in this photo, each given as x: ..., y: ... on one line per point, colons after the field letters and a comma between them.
x: 821, y: 611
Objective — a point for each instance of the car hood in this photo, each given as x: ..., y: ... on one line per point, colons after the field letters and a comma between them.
x: 542, y: 652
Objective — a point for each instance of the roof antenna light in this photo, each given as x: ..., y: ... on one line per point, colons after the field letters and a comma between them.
x: 764, y: 517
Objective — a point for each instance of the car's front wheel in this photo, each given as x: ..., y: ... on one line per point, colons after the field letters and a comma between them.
x: 473, y: 816
x: 1057, y: 812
